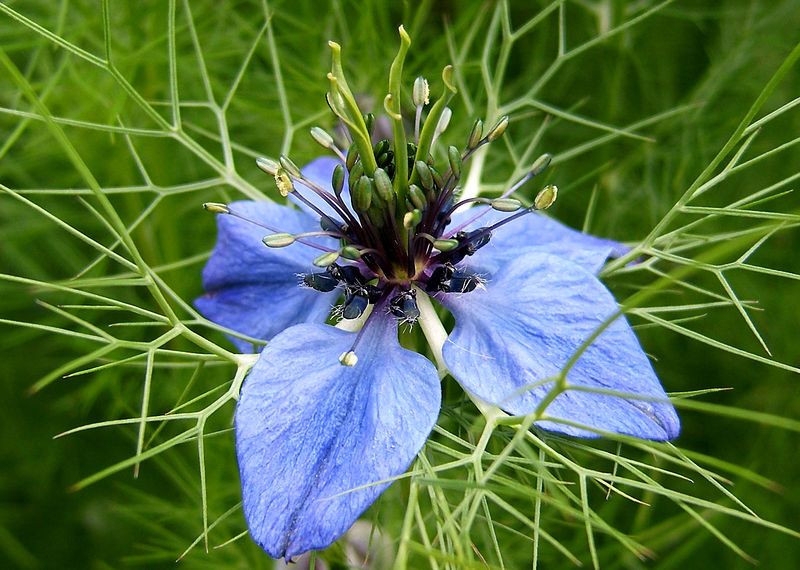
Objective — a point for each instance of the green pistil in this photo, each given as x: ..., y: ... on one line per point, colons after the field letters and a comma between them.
x: 344, y: 105
x: 393, y: 108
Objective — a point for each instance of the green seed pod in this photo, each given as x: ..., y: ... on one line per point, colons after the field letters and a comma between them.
x: 454, y: 157
x: 424, y: 173
x: 383, y: 185
x: 475, y: 134
x: 337, y: 181
x: 278, y: 240
x: 506, y: 205
x: 362, y: 194
x: 546, y: 197
x: 417, y: 197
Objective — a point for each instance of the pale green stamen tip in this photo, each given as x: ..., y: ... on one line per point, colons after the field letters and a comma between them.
x: 445, y: 244
x: 351, y: 252
x: 541, y: 164
x: 216, y: 208
x: 322, y: 137
x: 348, y: 359
x: 498, y: 130
x: 411, y: 219
x: 267, y: 165
x: 420, y: 94
x: 278, y: 240
x: 326, y: 259
x: 506, y: 205
x: 284, y: 182
x: 546, y: 197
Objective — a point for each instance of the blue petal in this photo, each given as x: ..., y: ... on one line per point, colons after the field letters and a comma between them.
x: 537, y: 230
x: 253, y: 289
x: 320, y: 171
x: 310, y: 432
x: 524, y: 327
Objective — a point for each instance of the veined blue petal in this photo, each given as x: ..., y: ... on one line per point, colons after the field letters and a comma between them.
x: 253, y: 289
x: 512, y: 340
x: 537, y: 230
x: 320, y: 171
x: 314, y: 438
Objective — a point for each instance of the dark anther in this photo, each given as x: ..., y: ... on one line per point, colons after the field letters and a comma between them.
x: 404, y: 306
x: 373, y: 293
x: 322, y: 282
x: 462, y: 282
x: 347, y: 275
x: 355, y: 304
x: 328, y: 224
x: 446, y: 279
x: 439, y: 278
x: 475, y: 239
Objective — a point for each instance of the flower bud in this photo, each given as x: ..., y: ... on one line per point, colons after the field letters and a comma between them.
x: 541, y: 164
x: 337, y: 180
x: 498, y: 130
x: 546, y: 197
x: 424, y: 174
x: 417, y: 197
x: 475, y: 134
x: 506, y: 204
x: 348, y: 358
x: 267, y: 165
x: 216, y: 208
x: 420, y: 94
x: 383, y: 185
x: 278, y: 240
x: 322, y: 137
x: 289, y: 166
x: 283, y: 182
x: 362, y: 194
x: 369, y: 122
x: 326, y: 259
x: 454, y: 157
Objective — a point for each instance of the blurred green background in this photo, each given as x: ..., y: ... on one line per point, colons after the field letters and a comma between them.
x: 701, y: 62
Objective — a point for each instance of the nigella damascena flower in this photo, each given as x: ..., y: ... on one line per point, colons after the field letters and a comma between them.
x: 326, y: 416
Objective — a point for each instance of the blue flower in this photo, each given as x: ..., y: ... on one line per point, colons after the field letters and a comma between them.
x: 327, y: 417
